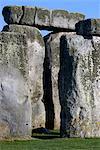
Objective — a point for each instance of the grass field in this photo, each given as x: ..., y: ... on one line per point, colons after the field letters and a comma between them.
x: 52, y: 142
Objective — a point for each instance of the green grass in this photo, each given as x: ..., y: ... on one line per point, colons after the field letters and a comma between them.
x: 52, y: 142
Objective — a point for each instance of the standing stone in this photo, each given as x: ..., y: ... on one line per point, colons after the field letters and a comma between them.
x: 75, y: 65
x: 36, y: 52
x: 51, y: 97
x: 15, y: 104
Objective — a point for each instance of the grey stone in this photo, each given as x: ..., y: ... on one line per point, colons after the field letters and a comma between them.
x: 42, y: 17
x: 28, y: 17
x: 75, y: 65
x: 15, y: 104
x: 51, y: 92
x: 12, y: 14
x: 36, y: 52
x: 88, y: 27
x: 38, y: 113
x: 65, y: 20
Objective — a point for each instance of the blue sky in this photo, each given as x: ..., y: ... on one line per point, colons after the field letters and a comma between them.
x: 91, y: 8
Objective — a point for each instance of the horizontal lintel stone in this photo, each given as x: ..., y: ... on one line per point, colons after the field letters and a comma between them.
x: 41, y: 18
x: 88, y: 27
x: 12, y: 14
x: 64, y: 19
x: 28, y: 15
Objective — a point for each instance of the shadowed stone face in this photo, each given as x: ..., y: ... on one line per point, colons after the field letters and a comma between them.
x: 51, y: 93
x: 15, y: 106
x: 88, y: 27
x: 77, y: 90
x: 12, y: 15
x: 35, y: 60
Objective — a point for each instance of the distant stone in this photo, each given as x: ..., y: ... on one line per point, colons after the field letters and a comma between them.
x: 36, y: 52
x: 15, y: 105
x: 38, y: 111
x: 12, y: 14
x: 28, y: 17
x: 65, y: 20
x: 74, y: 63
x: 88, y: 27
x: 42, y: 17
x: 51, y: 92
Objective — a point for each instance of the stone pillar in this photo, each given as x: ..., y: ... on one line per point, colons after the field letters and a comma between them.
x: 36, y: 52
x: 75, y: 65
x: 51, y: 98
x: 15, y: 104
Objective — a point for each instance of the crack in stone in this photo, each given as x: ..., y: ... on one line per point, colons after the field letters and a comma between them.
x: 93, y: 45
x: 23, y: 9
x: 35, y: 14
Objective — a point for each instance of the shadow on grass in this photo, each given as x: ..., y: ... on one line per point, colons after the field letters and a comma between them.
x: 43, y: 133
x: 45, y: 137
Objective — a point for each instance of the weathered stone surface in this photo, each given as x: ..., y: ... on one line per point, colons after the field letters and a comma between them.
x: 36, y: 52
x: 88, y: 27
x: 42, y: 17
x: 15, y: 104
x: 65, y: 20
x: 28, y: 17
x: 75, y: 65
x: 51, y: 97
x: 12, y: 14
x: 38, y: 111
